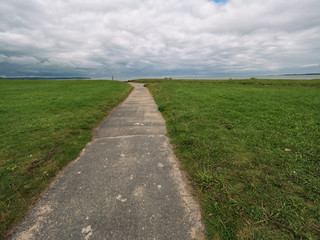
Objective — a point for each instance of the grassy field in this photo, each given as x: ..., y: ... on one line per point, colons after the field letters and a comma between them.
x: 252, y: 148
x: 43, y: 126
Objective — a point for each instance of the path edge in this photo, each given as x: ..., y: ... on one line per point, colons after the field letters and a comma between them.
x: 199, y: 232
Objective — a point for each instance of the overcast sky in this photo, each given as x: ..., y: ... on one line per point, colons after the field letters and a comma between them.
x: 135, y: 38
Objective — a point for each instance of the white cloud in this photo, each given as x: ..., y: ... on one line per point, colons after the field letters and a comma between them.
x: 150, y: 37
x: 311, y: 65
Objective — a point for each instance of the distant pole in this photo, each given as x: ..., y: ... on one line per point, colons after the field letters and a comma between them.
x: 112, y: 77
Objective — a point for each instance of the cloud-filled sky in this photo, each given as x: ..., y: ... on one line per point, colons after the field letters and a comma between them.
x: 136, y: 38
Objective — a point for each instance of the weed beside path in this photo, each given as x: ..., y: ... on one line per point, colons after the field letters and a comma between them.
x: 43, y: 126
x: 253, y: 149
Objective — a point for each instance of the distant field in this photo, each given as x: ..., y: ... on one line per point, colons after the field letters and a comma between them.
x: 253, y: 81
x: 44, y: 124
x: 252, y: 148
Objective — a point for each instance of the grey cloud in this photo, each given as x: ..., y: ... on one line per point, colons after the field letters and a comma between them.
x: 100, y: 38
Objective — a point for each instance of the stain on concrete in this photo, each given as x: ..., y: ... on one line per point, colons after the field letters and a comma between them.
x: 138, y: 192
x: 119, y: 197
x: 87, y: 232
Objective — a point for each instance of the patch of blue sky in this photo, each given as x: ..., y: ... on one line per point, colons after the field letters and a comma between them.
x: 218, y: 1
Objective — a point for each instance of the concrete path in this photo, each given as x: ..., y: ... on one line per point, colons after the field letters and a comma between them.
x: 125, y: 185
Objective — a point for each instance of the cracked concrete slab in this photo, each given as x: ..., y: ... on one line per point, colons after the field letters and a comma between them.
x: 125, y: 185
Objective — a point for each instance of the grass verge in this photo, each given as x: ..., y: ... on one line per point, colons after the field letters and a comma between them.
x: 253, y: 148
x: 43, y: 126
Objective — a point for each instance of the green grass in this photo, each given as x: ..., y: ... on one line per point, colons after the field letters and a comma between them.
x: 252, y: 148
x: 258, y: 82
x: 43, y: 126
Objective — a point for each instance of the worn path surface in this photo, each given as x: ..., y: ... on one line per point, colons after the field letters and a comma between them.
x: 125, y: 185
